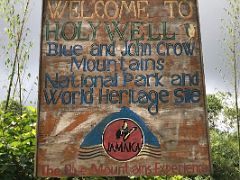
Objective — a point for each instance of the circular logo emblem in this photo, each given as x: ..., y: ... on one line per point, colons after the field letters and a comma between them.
x: 123, y: 139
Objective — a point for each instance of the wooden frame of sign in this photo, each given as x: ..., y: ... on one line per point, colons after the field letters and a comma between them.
x: 121, y: 89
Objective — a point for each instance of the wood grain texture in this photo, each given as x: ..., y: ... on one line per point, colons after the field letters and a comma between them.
x: 172, y: 73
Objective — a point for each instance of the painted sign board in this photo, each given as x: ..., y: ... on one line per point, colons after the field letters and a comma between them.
x: 121, y: 89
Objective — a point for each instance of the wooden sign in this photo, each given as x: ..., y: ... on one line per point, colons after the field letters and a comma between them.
x: 121, y: 89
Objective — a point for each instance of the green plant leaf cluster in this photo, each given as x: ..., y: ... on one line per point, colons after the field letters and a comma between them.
x: 214, y: 108
x: 178, y: 177
x: 224, y: 148
x: 17, y: 142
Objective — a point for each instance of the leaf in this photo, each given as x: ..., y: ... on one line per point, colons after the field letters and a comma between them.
x: 15, y: 144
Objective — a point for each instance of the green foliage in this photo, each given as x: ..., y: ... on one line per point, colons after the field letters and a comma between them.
x: 221, y: 111
x: 231, y: 27
x: 95, y: 178
x: 230, y: 113
x: 170, y: 178
x: 15, y: 47
x: 224, y: 148
x: 224, y: 144
x: 157, y: 178
x: 17, y: 142
x: 14, y: 107
x: 214, y: 108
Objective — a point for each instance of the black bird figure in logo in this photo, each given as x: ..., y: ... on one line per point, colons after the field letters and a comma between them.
x: 124, y: 131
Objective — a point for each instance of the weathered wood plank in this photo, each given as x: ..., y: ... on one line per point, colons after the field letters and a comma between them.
x: 121, y: 89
